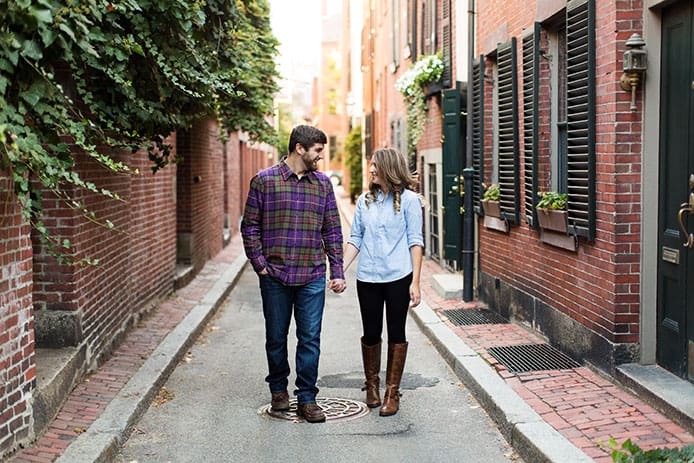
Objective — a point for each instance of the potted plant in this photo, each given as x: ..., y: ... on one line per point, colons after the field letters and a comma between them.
x: 551, y: 211
x: 490, y: 200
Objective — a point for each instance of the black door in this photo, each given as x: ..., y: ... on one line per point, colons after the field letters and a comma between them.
x: 453, y: 163
x: 676, y: 260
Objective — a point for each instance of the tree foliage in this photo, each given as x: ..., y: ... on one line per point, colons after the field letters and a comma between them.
x: 107, y: 75
x: 353, y: 160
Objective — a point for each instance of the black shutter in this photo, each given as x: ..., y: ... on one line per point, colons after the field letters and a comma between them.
x: 531, y: 88
x: 477, y: 121
x: 447, y: 44
x: 580, y: 38
x: 507, y: 134
x: 368, y: 135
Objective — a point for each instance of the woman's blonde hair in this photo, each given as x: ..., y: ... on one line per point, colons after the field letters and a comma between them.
x: 392, y: 169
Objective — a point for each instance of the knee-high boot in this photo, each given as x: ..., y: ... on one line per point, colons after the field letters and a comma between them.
x: 371, y: 355
x: 397, y: 353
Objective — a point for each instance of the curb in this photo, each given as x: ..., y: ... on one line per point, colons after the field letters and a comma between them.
x: 102, y: 440
x: 523, y: 428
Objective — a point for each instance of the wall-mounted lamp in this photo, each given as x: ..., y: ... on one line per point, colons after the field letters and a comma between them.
x: 635, y: 64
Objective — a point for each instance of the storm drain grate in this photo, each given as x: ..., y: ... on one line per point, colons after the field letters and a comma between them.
x: 531, y: 357
x: 460, y: 317
x: 335, y: 409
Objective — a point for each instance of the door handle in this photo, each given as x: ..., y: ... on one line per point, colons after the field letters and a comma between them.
x: 687, y: 208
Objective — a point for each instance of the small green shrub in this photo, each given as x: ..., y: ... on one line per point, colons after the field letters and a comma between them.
x: 491, y: 192
x: 630, y: 452
x: 552, y: 200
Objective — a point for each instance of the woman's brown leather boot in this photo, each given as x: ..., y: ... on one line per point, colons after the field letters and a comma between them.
x: 371, y: 355
x: 397, y: 353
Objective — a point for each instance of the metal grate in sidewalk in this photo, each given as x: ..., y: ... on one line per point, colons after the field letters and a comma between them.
x: 460, y: 317
x: 532, y: 357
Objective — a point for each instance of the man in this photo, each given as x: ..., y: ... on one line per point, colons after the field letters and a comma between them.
x: 290, y: 223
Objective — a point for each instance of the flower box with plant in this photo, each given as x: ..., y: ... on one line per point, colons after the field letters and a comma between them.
x: 551, y: 211
x: 490, y: 200
x: 426, y: 71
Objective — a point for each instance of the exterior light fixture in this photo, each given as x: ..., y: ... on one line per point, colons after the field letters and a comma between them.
x: 635, y: 64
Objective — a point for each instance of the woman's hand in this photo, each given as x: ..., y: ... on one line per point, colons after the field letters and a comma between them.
x: 415, y: 294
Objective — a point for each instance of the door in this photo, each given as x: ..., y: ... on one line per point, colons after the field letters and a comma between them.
x: 453, y: 163
x: 675, y: 329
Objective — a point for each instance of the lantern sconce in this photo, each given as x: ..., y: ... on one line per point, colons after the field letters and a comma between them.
x: 635, y: 65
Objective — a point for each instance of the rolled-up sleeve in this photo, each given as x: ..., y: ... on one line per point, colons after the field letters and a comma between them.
x: 414, y: 220
x: 356, y: 234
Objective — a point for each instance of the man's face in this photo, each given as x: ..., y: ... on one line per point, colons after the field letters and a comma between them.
x: 312, y: 156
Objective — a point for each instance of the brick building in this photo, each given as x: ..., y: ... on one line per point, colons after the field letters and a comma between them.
x: 551, y: 114
x: 57, y: 322
x: 552, y: 110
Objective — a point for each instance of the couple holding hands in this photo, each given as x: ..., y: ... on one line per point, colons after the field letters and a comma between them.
x: 290, y: 223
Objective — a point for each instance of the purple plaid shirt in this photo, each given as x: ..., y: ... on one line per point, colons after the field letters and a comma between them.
x: 290, y: 224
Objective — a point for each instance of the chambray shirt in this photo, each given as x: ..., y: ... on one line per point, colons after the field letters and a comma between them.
x: 384, y: 237
x: 290, y: 224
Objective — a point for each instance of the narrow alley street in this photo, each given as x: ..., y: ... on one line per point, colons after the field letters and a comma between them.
x: 217, y: 396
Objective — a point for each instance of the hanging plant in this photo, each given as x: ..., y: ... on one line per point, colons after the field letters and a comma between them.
x: 428, y: 69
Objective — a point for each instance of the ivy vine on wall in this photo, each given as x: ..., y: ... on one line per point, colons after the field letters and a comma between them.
x: 123, y: 74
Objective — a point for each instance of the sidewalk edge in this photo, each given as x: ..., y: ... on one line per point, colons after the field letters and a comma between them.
x: 101, y: 442
x: 533, y: 438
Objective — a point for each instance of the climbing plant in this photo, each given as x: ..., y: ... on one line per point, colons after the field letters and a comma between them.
x: 428, y: 69
x: 102, y: 76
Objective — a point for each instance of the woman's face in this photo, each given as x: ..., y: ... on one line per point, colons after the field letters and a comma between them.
x: 373, y: 171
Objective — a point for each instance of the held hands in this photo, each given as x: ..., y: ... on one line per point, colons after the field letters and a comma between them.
x: 337, y: 285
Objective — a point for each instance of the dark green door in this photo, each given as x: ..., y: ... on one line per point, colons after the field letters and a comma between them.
x: 453, y: 163
x: 676, y: 261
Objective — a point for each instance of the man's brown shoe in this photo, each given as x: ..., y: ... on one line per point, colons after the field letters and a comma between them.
x: 280, y: 401
x: 311, y: 413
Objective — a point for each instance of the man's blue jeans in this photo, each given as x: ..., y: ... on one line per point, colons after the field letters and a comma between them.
x: 307, y: 303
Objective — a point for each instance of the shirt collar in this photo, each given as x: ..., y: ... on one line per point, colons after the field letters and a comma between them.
x: 287, y: 172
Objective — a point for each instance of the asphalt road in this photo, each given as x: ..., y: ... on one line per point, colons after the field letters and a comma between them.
x: 212, y: 407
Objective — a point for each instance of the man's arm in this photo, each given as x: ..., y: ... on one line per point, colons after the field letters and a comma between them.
x: 332, y: 240
x: 252, y: 226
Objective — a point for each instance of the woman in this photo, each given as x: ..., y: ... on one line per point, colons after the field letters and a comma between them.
x: 387, y: 236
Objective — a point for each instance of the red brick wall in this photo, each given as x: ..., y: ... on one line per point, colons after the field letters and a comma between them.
x: 136, y: 259
x: 17, y: 364
x: 599, y: 285
x: 200, y: 209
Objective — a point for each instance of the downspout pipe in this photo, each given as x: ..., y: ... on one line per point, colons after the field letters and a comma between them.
x: 469, y: 214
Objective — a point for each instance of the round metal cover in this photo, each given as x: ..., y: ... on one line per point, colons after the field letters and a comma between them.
x: 335, y: 409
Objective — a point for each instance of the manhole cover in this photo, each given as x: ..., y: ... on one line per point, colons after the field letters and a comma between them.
x: 532, y: 357
x: 334, y: 409
x: 460, y: 317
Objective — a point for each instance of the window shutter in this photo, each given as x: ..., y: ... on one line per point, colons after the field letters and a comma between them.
x: 507, y: 133
x: 412, y: 28
x: 446, y: 32
x: 580, y: 34
x: 477, y: 121
x: 531, y: 85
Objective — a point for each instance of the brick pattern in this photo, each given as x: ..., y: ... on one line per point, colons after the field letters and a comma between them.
x: 580, y: 404
x: 17, y: 364
x: 92, y: 396
x: 599, y: 285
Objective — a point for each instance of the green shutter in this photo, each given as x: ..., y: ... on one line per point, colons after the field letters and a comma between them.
x: 531, y: 88
x: 446, y: 32
x: 580, y: 35
x: 477, y: 121
x: 507, y: 133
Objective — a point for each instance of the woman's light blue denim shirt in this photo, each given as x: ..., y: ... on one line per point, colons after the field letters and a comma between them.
x: 384, y: 237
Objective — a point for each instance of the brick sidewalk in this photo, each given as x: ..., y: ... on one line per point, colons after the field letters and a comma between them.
x: 92, y: 396
x: 583, y: 406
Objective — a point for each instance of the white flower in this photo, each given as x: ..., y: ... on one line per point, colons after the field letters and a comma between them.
x: 428, y: 68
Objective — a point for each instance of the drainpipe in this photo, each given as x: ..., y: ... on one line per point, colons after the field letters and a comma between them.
x: 469, y: 215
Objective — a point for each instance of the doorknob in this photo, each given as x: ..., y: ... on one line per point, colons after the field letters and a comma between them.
x: 687, y: 208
